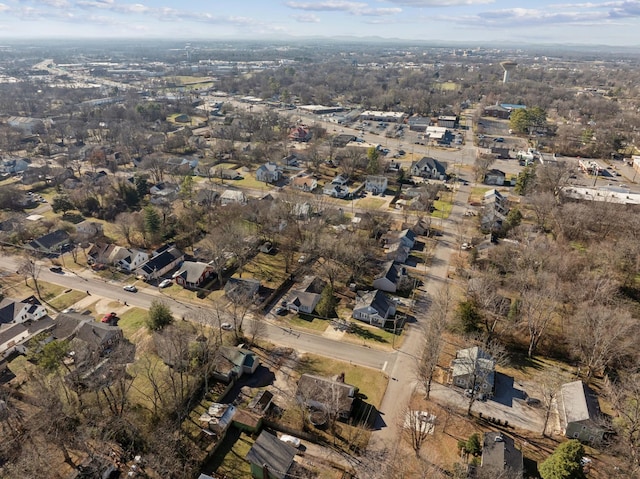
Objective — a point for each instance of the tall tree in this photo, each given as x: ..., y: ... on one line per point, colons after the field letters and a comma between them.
x: 564, y: 463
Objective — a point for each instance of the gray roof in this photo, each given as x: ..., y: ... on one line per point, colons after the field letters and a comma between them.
x: 499, y: 453
x: 191, y: 271
x: 325, y: 391
x: 431, y: 164
x: 302, y: 298
x: 580, y: 403
x: 50, y: 240
x: 474, y: 361
x: 270, y: 452
x: 162, y: 260
x: 375, y: 299
x: 392, y: 271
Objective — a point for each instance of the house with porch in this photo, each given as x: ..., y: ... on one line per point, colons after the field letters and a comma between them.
x: 161, y: 262
x: 306, y: 298
x: 373, y: 307
x: 304, y: 183
x: 193, y: 274
x: 270, y: 172
x: 16, y: 312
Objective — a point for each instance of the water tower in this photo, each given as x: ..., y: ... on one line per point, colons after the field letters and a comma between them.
x: 508, y: 67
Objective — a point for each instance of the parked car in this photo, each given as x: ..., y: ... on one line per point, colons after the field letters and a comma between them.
x: 131, y: 288
x: 56, y: 269
x: 165, y: 283
x: 280, y: 310
x: 302, y: 259
x: 110, y: 318
x: 499, y: 140
x: 226, y: 326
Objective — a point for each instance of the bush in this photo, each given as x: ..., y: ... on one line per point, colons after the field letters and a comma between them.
x: 160, y: 316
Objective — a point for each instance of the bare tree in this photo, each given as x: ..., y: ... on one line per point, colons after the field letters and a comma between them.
x: 550, y: 389
x: 417, y: 427
x: 30, y: 269
x: 600, y: 335
x: 623, y: 395
x: 434, y: 328
x: 481, y: 165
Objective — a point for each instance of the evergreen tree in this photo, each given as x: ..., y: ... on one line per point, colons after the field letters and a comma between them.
x: 151, y: 222
x: 160, y: 316
x: 327, y: 305
x: 564, y: 463
x: 373, y: 167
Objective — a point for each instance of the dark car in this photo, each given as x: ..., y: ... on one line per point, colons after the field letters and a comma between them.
x: 499, y: 140
x: 56, y: 269
x: 280, y: 311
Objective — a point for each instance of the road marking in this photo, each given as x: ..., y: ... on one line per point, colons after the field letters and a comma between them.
x: 384, y: 366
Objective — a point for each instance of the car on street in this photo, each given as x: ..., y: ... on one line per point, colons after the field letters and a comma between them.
x: 226, y: 326
x: 131, y: 288
x: 56, y: 269
x: 165, y: 283
x: 499, y: 140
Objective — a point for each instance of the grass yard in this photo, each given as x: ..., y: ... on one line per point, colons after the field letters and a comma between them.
x: 314, y: 324
x: 442, y: 209
x: 372, y: 336
x: 370, y: 203
x: 229, y: 458
x: 269, y: 269
x: 477, y: 193
x: 132, y: 321
x: 447, y: 86
x: 249, y: 181
x: 371, y: 382
x: 65, y: 300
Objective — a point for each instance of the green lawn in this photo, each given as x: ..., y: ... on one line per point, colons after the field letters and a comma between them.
x: 442, y: 209
x: 132, y: 321
x: 370, y: 203
x: 66, y: 300
x: 477, y: 193
x: 314, y: 324
x: 269, y: 269
x: 371, y: 382
x: 372, y: 336
x: 234, y: 447
x: 249, y: 181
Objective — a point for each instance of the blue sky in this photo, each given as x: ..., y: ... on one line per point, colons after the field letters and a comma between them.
x: 542, y: 21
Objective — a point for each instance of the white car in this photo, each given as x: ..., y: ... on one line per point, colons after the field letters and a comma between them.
x: 226, y: 326
x: 165, y: 283
x: 291, y: 440
x: 302, y: 259
x: 131, y: 288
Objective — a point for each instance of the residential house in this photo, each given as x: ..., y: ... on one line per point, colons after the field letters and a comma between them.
x: 162, y: 261
x: 132, y: 260
x: 304, y: 183
x: 193, y: 274
x: 373, y: 307
x: 105, y: 253
x: 232, y: 196
x: 501, y: 152
x: 16, y: 312
x: 340, y: 180
x: 390, y: 278
x: 241, y: 289
x: 88, y: 229
x: 494, y: 177
x: 182, y: 166
x: 291, y: 160
x: 163, y: 193
x: 270, y: 172
x: 206, y: 197
x: 270, y: 458
x: 580, y: 415
x: 14, y: 337
x: 428, y: 167
x: 300, y: 133
x: 227, y: 174
x: 376, y: 184
x: 85, y: 334
x: 421, y: 227
x: 500, y: 456
x: 473, y: 368
x: 50, y: 243
x: 232, y: 362
x: 13, y: 166
x: 305, y: 299
x: 335, y: 191
x: 397, y: 252
x: 495, y: 210
x: 217, y: 420
x: 333, y: 396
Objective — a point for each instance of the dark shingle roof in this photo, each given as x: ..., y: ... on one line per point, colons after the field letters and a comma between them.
x: 270, y: 452
x: 50, y: 240
x: 499, y: 453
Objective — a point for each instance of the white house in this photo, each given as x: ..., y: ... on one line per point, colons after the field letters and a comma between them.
x: 304, y: 183
x: 335, y: 191
x: 376, y: 184
x: 270, y: 172
x: 15, y: 312
x: 374, y: 308
x: 232, y: 196
x: 133, y: 259
x: 390, y: 277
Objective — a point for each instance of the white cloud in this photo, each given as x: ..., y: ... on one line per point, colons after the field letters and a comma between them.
x: 353, y: 8
x: 440, y: 3
x: 306, y: 18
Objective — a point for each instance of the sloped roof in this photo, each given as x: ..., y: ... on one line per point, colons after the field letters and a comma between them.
x: 430, y: 163
x: 191, y: 271
x: 375, y: 299
x: 162, y: 260
x: 50, y: 240
x: 392, y: 271
x: 335, y: 394
x: 499, y: 453
x: 473, y: 361
x: 270, y: 452
x: 579, y: 401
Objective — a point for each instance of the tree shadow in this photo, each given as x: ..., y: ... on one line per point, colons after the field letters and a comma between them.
x: 366, y: 334
x: 522, y: 362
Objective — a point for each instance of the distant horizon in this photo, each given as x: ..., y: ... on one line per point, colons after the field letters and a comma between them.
x: 611, y: 23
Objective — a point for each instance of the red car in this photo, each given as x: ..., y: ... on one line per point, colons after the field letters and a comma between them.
x: 108, y: 318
